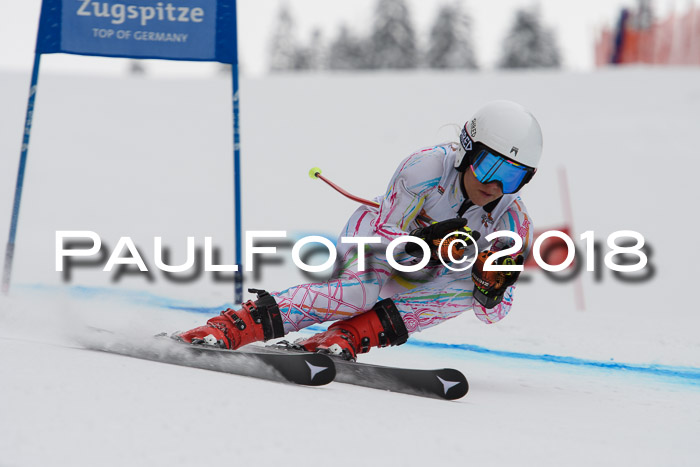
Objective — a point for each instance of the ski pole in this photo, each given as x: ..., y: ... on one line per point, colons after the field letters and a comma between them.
x: 316, y: 173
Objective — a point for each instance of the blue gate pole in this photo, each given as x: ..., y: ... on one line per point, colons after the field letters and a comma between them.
x: 238, y: 277
x: 10, y: 249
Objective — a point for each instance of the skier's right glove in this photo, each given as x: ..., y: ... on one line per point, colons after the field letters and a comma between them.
x: 433, y: 235
x: 489, y: 286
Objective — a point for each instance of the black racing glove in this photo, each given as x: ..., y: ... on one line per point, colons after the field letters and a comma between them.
x: 489, y: 286
x: 435, y: 232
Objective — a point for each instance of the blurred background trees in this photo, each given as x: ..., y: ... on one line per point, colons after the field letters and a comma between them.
x: 529, y: 44
x: 392, y: 42
x: 450, y: 43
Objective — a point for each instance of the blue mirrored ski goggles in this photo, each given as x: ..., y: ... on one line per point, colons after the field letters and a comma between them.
x: 488, y: 167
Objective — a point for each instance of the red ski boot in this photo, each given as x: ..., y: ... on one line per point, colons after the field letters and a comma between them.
x: 258, y: 320
x: 381, y: 326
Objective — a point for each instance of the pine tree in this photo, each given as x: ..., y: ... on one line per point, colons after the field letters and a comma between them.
x: 347, y: 52
x: 316, y: 51
x: 450, y: 40
x: 393, y: 39
x: 284, y: 52
x: 529, y: 44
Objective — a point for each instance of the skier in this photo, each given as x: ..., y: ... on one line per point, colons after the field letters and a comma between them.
x: 440, y: 192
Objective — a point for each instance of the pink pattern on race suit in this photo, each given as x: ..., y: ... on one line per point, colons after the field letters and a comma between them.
x: 379, y: 223
x: 359, y: 222
x: 523, y: 229
x: 336, y: 299
x: 497, y: 313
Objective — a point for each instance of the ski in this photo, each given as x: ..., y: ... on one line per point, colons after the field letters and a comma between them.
x: 305, y: 369
x: 445, y: 383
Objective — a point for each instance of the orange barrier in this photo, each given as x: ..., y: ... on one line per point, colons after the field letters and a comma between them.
x: 672, y: 41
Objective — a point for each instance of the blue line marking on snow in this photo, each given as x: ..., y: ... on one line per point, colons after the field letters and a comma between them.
x: 686, y: 374
x: 131, y: 296
x: 296, y: 236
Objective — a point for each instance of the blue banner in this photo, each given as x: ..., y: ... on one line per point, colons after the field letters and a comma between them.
x: 200, y: 30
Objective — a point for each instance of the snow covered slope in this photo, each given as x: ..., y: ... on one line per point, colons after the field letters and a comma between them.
x: 145, y: 158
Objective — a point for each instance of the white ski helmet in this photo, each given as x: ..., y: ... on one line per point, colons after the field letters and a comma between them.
x: 505, y: 128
